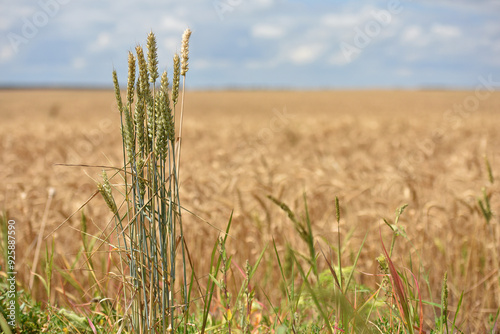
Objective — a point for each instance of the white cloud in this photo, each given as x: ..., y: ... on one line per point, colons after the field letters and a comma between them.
x: 78, y: 63
x: 437, y: 36
x: 414, y: 35
x: 485, y: 6
x: 353, y: 17
x: 264, y: 3
x: 101, y: 43
x: 103, y: 39
x: 446, y: 31
x: 6, y: 54
x: 173, y: 24
x: 340, y: 20
x: 267, y: 31
x: 305, y: 54
x: 171, y: 44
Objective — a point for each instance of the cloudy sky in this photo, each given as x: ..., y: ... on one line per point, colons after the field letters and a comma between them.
x: 256, y: 43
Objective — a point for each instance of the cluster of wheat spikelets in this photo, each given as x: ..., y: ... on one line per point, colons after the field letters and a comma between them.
x: 149, y: 228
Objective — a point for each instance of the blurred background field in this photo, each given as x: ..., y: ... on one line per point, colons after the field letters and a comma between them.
x: 376, y: 150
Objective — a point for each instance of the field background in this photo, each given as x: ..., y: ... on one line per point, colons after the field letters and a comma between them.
x: 375, y: 150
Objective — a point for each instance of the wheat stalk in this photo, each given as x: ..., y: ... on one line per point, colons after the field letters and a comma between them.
x: 184, y: 69
x: 153, y: 234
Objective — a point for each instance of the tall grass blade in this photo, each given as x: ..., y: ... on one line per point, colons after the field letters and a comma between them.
x: 348, y: 281
x: 314, y: 296
x: 310, y: 240
x: 213, y: 271
x: 457, y: 311
x: 489, y: 170
x: 339, y: 248
x: 397, y: 284
x: 4, y: 325
x: 494, y: 329
x: 332, y: 270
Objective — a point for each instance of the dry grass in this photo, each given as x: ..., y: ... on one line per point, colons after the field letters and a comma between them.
x: 375, y: 150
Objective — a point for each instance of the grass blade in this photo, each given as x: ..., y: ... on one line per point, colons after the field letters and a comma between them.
x: 348, y: 282
x: 397, y: 285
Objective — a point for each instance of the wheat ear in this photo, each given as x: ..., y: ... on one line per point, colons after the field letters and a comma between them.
x: 184, y: 69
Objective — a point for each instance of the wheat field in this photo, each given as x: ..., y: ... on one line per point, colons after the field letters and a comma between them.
x: 374, y: 150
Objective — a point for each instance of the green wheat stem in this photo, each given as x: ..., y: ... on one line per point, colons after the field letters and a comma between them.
x: 339, y: 249
x: 153, y: 237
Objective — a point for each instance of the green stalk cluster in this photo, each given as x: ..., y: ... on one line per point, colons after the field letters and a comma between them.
x: 150, y: 225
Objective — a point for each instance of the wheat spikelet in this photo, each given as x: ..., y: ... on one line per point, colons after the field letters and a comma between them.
x: 185, y: 51
x: 144, y: 102
x: 131, y: 79
x: 128, y: 133
x: 139, y: 117
x: 151, y: 120
x: 170, y: 122
x: 117, y: 92
x: 152, y: 57
x: 105, y: 190
x: 184, y: 69
x: 176, y: 79
x: 142, y: 96
x: 161, y: 124
x: 142, y: 81
x: 163, y: 116
x: 128, y: 125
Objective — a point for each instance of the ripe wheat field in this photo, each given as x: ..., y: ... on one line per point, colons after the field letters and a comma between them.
x: 375, y: 150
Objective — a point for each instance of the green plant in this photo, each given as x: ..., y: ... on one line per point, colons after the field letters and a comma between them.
x: 215, y: 266
x: 149, y: 223
x: 328, y: 296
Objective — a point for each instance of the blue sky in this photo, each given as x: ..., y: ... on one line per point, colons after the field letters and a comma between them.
x: 256, y: 43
